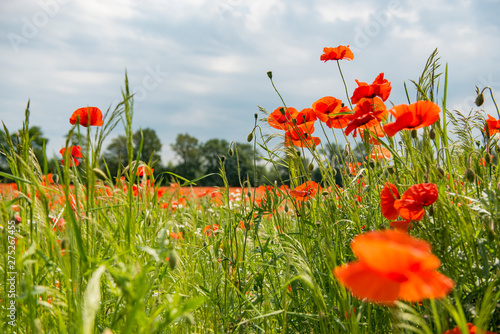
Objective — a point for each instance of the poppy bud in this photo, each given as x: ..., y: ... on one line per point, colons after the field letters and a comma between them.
x: 270, y: 74
x: 250, y: 137
x: 55, y: 178
x: 255, y: 115
x: 432, y: 134
x: 282, y: 111
x: 470, y: 175
x: 479, y: 99
x: 310, y: 167
x: 222, y: 158
x: 334, y: 171
x: 487, y: 158
x: 286, y: 208
x: 414, y: 134
x: 173, y: 258
x: 230, y: 152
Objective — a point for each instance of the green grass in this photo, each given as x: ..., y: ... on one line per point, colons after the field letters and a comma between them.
x: 116, y: 266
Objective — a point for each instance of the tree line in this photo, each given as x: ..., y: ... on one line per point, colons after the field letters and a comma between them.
x: 195, y: 160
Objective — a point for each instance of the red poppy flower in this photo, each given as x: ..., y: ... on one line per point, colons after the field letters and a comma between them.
x: 141, y: 170
x: 380, y: 87
x: 301, y: 136
x: 338, y: 53
x: 281, y: 118
x: 414, y: 116
x: 472, y: 330
x: 367, y: 114
x: 306, y: 115
x: 330, y: 111
x: 492, y: 126
x: 388, y: 196
x: 380, y: 153
x: 76, y: 152
x: 87, y: 116
x: 393, y: 266
x: 412, y: 202
x: 210, y: 228
x: 306, y: 190
x: 353, y: 167
x: 402, y: 225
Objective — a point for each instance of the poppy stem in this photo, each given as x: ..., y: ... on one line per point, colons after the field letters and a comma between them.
x: 493, y: 98
x: 345, y: 85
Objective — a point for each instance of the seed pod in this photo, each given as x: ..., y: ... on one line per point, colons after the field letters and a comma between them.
x: 255, y: 115
x: 414, y: 134
x: 286, y: 208
x: 230, y: 152
x: 470, y: 175
x: 310, y: 167
x: 270, y: 74
x: 250, y: 137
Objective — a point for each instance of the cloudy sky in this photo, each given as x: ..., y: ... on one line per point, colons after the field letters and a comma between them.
x: 199, y: 66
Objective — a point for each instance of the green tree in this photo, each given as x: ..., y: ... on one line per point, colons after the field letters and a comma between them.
x: 151, y: 145
x: 188, y: 150
x: 116, y: 154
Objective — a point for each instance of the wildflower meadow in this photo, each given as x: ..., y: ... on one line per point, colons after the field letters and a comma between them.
x: 383, y: 218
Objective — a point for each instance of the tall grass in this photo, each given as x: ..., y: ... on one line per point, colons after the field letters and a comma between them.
x: 132, y: 259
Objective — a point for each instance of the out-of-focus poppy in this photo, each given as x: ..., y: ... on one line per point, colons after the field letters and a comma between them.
x: 141, y: 170
x: 492, y: 126
x: 380, y: 87
x: 75, y: 153
x: 380, y: 153
x: 210, y: 228
x: 402, y: 225
x: 176, y: 235
x: 306, y: 190
x: 281, y: 118
x: 301, y: 136
x: 393, y: 266
x: 353, y: 167
x: 414, y: 116
x: 367, y: 114
x: 87, y: 116
x: 338, y: 53
x: 414, y: 199
x: 472, y: 330
x: 329, y: 110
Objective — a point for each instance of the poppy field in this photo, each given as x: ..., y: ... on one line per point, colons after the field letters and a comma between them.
x: 403, y: 239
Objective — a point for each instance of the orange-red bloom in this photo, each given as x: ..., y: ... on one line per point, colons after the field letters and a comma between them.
x: 306, y: 190
x: 281, y: 118
x: 301, y: 135
x: 472, y: 330
x: 414, y: 116
x: 338, y: 53
x: 87, y: 116
x: 393, y: 266
x: 367, y: 114
x: 492, y: 126
x: 306, y: 115
x: 76, y: 152
x: 380, y: 87
x: 412, y: 202
x: 330, y: 111
x: 388, y: 196
x: 380, y: 153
